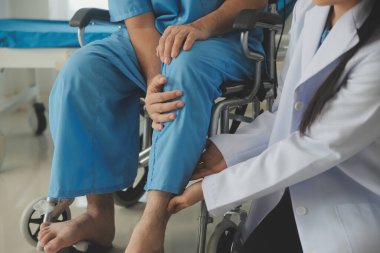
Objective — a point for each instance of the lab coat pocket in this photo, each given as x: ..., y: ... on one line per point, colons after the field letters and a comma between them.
x: 361, y: 224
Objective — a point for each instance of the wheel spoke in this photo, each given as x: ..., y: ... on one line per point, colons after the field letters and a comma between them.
x: 226, y: 240
x: 36, y: 221
x: 35, y: 234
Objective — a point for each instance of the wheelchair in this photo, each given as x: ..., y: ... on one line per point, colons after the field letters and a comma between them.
x: 232, y: 106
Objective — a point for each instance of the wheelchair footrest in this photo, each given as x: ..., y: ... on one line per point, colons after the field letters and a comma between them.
x: 86, y: 247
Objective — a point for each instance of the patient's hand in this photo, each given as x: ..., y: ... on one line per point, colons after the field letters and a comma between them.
x: 157, y: 104
x: 189, y: 197
x: 211, y: 162
x: 179, y: 36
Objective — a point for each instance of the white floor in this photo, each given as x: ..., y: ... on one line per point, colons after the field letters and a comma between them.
x: 24, y: 176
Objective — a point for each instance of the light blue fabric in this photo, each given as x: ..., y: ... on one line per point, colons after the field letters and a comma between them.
x: 124, y: 9
x: 168, y: 12
x: 94, y: 110
x: 174, y: 12
x: 32, y: 33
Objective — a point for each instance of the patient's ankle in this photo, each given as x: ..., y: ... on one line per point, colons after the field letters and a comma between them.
x: 155, y: 212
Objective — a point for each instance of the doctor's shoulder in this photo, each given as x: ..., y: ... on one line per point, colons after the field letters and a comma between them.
x: 299, y: 13
x: 369, y: 53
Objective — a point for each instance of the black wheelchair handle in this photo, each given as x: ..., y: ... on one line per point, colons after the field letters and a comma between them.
x: 250, y: 18
x: 83, y: 17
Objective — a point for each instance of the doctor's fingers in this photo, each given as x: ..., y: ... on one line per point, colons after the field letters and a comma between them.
x: 201, y: 173
x: 158, y: 117
x: 159, y: 97
x: 203, y: 170
x: 172, y: 204
x: 208, y: 167
x: 179, y: 207
x: 157, y: 126
x: 155, y: 85
x: 176, y: 204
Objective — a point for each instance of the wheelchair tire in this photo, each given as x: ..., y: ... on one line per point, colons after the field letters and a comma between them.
x: 131, y: 195
x: 37, y: 119
x: 2, y: 148
x: 30, y: 222
x: 222, y: 238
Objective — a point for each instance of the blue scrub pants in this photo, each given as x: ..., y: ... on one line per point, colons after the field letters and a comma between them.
x: 94, y: 115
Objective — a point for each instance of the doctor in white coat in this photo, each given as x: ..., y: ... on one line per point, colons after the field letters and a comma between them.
x: 331, y: 165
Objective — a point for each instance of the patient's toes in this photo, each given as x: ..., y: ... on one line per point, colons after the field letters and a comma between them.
x: 46, y: 238
x: 45, y: 225
x: 53, y: 246
x: 42, y: 233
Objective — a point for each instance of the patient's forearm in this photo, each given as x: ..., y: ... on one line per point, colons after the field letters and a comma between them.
x: 144, y: 38
x: 220, y: 21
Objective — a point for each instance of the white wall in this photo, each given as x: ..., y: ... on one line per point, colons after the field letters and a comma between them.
x: 64, y: 10
x: 29, y: 8
x: 4, y: 8
x: 13, y: 80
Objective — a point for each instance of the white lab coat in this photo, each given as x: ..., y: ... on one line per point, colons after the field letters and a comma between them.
x: 334, y: 171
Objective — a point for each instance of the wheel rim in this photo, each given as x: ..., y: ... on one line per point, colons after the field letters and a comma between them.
x: 36, y: 220
x: 226, y: 240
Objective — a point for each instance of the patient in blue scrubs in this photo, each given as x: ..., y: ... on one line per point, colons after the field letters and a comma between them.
x: 178, y: 51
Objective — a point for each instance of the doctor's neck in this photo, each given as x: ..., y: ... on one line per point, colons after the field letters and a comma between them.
x: 340, y: 7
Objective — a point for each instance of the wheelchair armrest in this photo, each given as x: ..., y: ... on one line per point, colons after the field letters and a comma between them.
x: 83, y: 17
x: 250, y: 18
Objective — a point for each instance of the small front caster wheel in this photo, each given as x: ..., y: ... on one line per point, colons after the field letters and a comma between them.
x: 31, y: 220
x: 37, y: 119
x: 130, y: 196
x: 221, y: 241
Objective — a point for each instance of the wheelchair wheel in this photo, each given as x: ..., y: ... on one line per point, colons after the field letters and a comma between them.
x: 31, y: 220
x: 131, y: 195
x: 37, y: 119
x: 2, y: 148
x: 222, y: 239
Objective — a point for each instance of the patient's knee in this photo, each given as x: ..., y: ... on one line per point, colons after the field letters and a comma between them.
x: 194, y: 75
x: 184, y: 64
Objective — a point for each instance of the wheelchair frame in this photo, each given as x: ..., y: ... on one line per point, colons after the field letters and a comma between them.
x: 223, y: 108
x: 236, y: 95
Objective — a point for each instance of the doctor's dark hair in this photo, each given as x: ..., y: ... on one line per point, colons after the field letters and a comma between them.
x: 330, y: 86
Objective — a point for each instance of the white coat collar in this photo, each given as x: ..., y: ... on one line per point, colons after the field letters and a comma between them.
x: 342, y: 37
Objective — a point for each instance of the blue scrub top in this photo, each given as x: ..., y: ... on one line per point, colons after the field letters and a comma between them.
x: 176, y: 12
x: 167, y: 12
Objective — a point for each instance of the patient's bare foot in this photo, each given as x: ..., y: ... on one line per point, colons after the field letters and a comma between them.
x: 147, y: 238
x: 96, y: 225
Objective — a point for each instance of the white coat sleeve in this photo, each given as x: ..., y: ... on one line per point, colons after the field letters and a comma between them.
x: 251, y: 140
x: 348, y: 124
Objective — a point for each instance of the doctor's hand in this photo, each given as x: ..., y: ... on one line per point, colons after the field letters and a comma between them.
x: 189, y: 197
x: 159, y: 104
x: 179, y: 36
x: 211, y: 162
